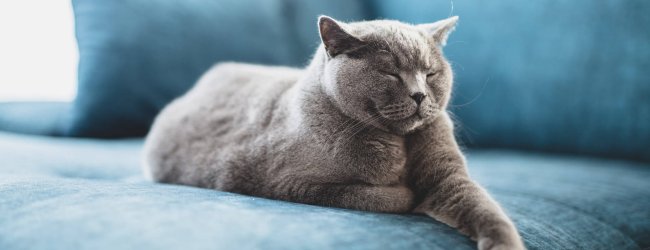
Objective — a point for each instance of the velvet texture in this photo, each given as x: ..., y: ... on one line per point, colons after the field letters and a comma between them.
x: 137, y: 55
x: 561, y: 76
x: 38, y: 118
x: 62, y: 193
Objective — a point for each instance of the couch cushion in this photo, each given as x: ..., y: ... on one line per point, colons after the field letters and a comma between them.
x: 137, y: 55
x: 89, y: 194
x: 563, y: 76
x: 40, y: 118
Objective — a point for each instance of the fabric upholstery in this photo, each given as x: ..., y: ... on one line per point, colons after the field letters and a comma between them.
x: 137, y: 55
x: 39, y: 118
x: 561, y: 76
x: 89, y: 194
x: 557, y: 77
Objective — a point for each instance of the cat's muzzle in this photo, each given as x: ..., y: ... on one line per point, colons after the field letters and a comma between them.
x: 404, y: 110
x: 398, y: 111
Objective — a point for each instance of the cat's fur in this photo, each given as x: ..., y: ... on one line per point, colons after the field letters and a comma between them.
x: 345, y: 132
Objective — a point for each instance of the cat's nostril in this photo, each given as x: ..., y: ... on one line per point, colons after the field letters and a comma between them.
x: 418, y: 97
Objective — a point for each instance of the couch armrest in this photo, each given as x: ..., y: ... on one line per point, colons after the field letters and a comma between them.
x: 40, y: 118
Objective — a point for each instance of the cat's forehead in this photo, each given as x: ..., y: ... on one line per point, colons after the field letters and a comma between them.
x: 411, y: 47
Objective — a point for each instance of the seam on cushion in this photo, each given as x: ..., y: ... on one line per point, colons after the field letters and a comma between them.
x: 576, y: 209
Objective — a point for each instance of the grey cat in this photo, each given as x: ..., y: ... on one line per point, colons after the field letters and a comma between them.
x: 364, y: 126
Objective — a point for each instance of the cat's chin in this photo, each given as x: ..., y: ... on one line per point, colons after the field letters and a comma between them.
x: 408, y: 125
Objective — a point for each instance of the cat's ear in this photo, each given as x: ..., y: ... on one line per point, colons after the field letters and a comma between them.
x: 439, y: 31
x: 336, y: 40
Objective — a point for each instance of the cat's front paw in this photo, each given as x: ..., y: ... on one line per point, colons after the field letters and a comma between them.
x: 502, y: 240
x: 489, y: 244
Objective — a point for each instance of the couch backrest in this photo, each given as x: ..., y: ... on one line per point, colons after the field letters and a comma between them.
x: 564, y: 76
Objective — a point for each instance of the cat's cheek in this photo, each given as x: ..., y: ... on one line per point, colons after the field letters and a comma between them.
x: 380, y: 98
x: 439, y: 95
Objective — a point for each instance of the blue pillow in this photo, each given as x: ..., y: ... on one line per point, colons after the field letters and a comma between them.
x: 563, y: 76
x: 137, y: 55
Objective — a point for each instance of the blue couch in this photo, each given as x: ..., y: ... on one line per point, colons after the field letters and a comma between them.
x: 552, y: 102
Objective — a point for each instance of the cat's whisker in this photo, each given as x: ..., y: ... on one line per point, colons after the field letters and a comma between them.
x: 348, y: 124
x: 364, y: 122
x: 353, y: 125
x: 362, y: 125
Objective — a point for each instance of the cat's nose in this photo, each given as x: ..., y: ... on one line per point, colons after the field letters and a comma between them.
x: 418, y: 97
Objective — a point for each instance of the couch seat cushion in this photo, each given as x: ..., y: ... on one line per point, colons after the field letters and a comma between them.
x: 60, y: 193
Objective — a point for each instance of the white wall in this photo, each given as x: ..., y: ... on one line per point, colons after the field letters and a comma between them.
x: 38, y: 51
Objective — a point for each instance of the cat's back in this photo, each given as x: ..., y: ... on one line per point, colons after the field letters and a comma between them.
x: 236, y: 93
x: 226, y: 79
x: 227, y: 108
x: 243, y: 95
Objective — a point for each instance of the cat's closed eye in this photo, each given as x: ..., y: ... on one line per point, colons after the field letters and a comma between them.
x: 392, y: 76
x: 432, y: 76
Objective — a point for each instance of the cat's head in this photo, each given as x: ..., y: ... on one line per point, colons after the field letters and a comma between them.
x: 385, y: 73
